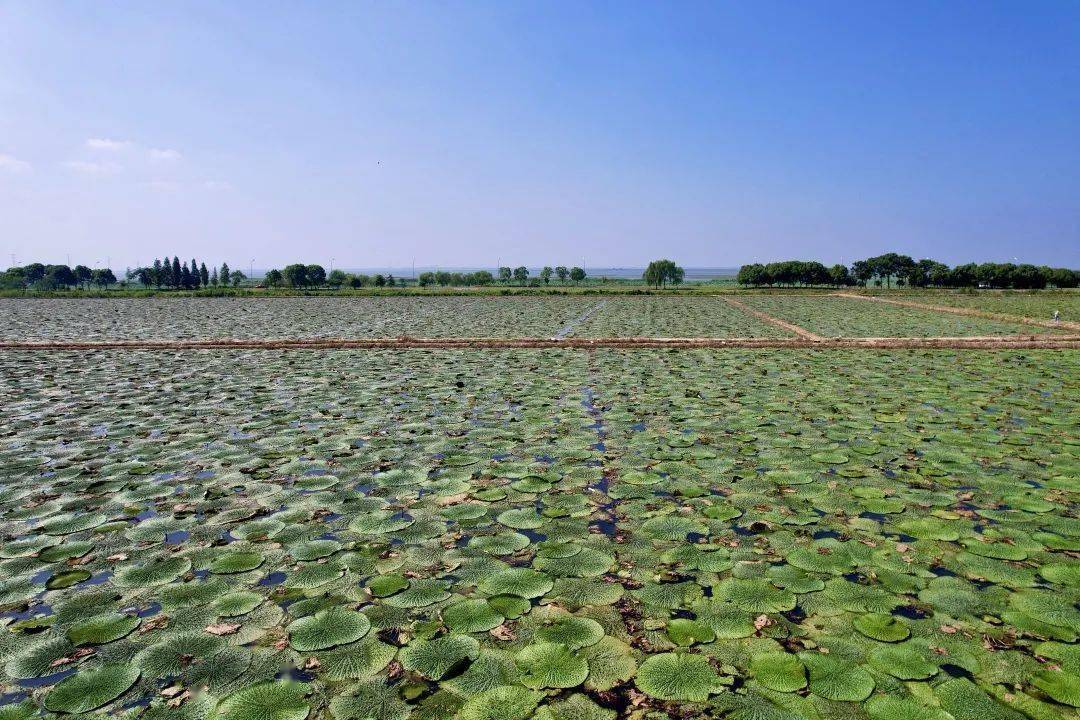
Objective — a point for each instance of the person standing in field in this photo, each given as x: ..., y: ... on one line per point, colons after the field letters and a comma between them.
x: 1057, y: 316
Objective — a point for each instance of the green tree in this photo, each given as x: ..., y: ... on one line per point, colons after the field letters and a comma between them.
x: 380, y: 281
x: 336, y: 278
x: 562, y: 272
x: 482, y: 277
x: 295, y: 275
x: 505, y: 274
x: 752, y: 274
x: 177, y: 273
x: 661, y: 272
x: 316, y: 275
x: 521, y: 274
x: 104, y: 277
x: 58, y: 276
x: 214, y: 277
x: 546, y: 274
x: 204, y: 276
x: 237, y: 277
x: 224, y: 275
x: 83, y: 274
x: 577, y: 274
x: 838, y: 275
x: 274, y: 278
x: 196, y: 278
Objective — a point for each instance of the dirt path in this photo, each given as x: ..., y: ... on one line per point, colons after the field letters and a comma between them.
x: 1052, y: 342
x: 790, y: 327
x: 1001, y: 317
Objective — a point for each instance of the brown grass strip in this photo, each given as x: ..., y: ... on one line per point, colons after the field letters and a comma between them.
x: 972, y: 312
x: 1052, y: 342
x: 790, y: 327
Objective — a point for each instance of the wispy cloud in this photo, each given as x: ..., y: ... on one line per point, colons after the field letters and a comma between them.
x: 165, y: 155
x: 91, y: 168
x: 108, y: 144
x: 13, y: 164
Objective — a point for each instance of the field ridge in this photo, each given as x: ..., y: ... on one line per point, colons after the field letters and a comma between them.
x: 971, y: 312
x: 1047, y: 342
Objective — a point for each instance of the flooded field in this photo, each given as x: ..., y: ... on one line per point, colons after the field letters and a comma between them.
x: 253, y: 535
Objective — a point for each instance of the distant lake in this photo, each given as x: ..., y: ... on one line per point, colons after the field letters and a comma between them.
x: 693, y: 274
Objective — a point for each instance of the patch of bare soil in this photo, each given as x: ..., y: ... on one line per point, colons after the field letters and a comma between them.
x: 1053, y: 342
x: 790, y: 327
x: 967, y: 311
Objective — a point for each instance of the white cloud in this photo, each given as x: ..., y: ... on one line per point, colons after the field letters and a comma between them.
x: 167, y: 155
x: 91, y: 168
x: 107, y: 144
x: 13, y: 164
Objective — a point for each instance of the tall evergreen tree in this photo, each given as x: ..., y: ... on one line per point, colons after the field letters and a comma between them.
x: 224, y: 274
x: 156, y: 275
x: 213, y: 278
x: 177, y: 275
x: 204, y: 276
x: 196, y: 278
x: 185, y: 277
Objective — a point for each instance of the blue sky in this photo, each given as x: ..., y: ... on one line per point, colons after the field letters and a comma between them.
x: 461, y: 133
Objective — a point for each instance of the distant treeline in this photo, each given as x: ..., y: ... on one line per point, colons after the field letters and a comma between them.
x: 517, y: 276
x: 38, y: 276
x: 904, y: 271
x: 163, y: 273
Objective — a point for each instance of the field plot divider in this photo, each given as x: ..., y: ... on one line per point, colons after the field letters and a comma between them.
x: 790, y: 327
x: 971, y: 312
x: 1007, y: 342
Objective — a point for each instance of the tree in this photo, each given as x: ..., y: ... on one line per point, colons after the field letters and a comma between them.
x: 336, y: 278
x: 562, y: 272
x: 185, y: 277
x: 214, y: 277
x: 224, y: 275
x: 177, y: 274
x: 752, y: 274
x: 521, y: 274
x: 33, y: 273
x: 482, y: 277
x: 356, y: 281
x: 577, y: 274
x: 295, y: 275
x: 838, y: 275
x: 316, y: 275
x: 58, y: 276
x: 83, y: 274
x: 504, y: 274
x: 425, y: 279
x: 862, y: 271
x: 380, y: 281
x: 661, y: 272
x: 274, y: 278
x: 204, y: 276
x: 196, y: 278
x: 546, y: 274
x: 237, y: 277
x: 103, y: 277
